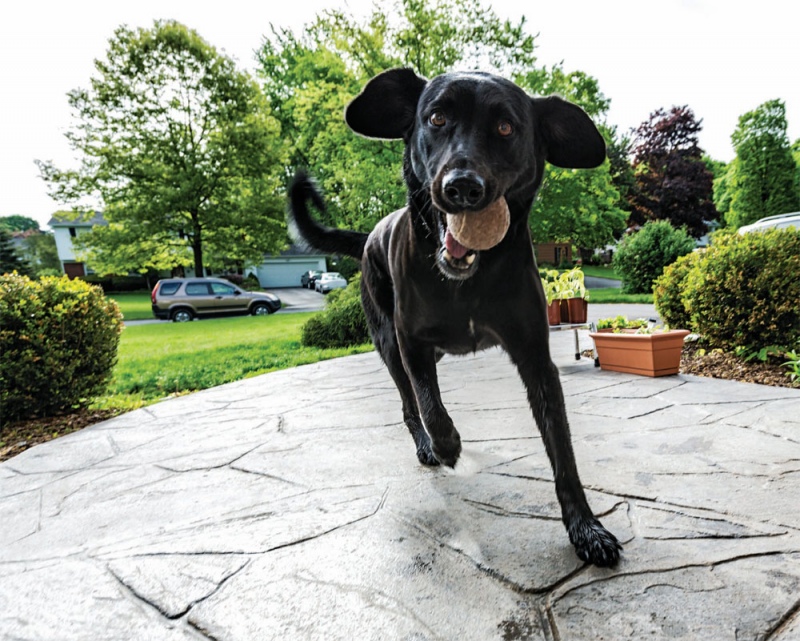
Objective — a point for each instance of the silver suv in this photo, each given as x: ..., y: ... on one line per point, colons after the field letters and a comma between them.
x: 781, y: 221
x: 183, y: 299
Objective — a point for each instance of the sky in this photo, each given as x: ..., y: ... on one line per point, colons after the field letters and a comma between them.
x: 722, y: 58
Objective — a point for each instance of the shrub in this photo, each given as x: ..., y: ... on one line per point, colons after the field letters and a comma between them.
x: 342, y: 323
x: 745, y: 292
x: 641, y: 257
x: 669, y: 288
x: 59, y: 339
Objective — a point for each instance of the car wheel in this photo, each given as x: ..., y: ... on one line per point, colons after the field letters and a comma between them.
x: 181, y: 316
x: 259, y: 309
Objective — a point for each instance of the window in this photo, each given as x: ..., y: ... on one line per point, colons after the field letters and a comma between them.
x: 221, y: 289
x: 168, y: 289
x: 197, y: 289
x: 73, y: 232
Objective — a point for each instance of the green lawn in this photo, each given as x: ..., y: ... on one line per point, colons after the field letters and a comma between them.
x: 600, y: 271
x: 134, y: 305
x: 615, y: 295
x: 172, y: 358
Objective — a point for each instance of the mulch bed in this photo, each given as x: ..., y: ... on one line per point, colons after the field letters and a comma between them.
x: 726, y: 365
x: 18, y: 437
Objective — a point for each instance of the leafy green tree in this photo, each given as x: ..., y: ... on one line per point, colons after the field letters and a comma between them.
x: 41, y: 252
x: 10, y: 260
x: 672, y: 181
x: 309, y: 79
x: 15, y: 222
x: 763, y: 178
x: 178, y: 145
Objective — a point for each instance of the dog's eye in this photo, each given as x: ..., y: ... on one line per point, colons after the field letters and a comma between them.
x: 504, y: 128
x: 438, y: 119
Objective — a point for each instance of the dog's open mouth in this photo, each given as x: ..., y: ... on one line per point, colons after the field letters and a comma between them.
x: 462, y: 236
x: 454, y: 259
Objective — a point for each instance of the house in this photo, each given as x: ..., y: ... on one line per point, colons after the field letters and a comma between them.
x: 65, y: 229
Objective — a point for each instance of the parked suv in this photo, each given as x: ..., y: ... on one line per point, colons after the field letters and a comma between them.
x: 183, y: 299
x: 781, y: 221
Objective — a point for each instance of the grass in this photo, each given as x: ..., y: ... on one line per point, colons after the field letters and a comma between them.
x: 159, y: 360
x: 600, y: 271
x: 134, y: 305
x: 614, y: 295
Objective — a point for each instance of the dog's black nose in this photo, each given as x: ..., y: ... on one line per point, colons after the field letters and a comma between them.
x: 463, y: 189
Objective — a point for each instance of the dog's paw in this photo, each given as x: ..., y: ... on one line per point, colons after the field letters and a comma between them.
x: 426, y: 456
x: 447, y: 450
x: 593, y: 543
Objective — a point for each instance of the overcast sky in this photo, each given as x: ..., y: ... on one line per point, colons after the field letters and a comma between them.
x: 722, y: 58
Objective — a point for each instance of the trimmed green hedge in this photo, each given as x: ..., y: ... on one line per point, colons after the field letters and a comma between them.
x: 642, y: 256
x: 342, y: 323
x: 58, y: 340
x: 743, y: 291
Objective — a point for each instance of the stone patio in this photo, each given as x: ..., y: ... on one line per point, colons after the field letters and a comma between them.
x: 292, y: 506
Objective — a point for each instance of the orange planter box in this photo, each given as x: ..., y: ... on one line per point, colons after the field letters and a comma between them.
x: 657, y: 354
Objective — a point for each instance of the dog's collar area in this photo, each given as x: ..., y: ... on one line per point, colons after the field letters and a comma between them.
x: 453, y: 259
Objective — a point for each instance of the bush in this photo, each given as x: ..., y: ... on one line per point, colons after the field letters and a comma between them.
x: 117, y: 284
x: 59, y: 339
x: 342, y: 323
x: 641, y: 257
x: 745, y: 292
x: 668, y: 292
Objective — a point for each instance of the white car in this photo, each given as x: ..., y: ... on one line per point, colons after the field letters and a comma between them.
x: 781, y: 221
x: 328, y: 281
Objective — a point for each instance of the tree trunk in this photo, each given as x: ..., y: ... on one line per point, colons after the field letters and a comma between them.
x: 197, y: 247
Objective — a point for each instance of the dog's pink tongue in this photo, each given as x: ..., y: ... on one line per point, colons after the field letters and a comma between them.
x: 456, y: 249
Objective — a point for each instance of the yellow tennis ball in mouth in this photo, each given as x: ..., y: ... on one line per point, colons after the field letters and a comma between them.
x: 481, y: 229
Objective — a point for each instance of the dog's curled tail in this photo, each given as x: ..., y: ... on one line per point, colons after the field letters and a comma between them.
x: 318, y: 236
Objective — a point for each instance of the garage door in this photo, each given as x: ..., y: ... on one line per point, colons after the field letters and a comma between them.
x: 285, y: 274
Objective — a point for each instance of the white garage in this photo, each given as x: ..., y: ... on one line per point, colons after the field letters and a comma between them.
x: 285, y: 270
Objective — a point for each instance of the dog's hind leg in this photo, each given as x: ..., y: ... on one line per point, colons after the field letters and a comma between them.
x: 593, y: 543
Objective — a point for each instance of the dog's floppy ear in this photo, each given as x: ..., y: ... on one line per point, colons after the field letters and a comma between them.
x: 570, y: 137
x: 387, y: 105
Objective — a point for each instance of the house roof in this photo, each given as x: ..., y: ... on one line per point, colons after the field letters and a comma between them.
x: 69, y: 219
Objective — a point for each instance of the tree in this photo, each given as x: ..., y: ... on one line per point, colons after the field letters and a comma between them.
x: 15, y: 222
x: 672, y: 182
x: 10, y: 261
x: 763, y: 178
x: 179, y: 148
x: 42, y: 254
x: 310, y: 78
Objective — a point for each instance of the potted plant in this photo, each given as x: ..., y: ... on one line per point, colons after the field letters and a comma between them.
x: 552, y: 292
x: 574, y: 296
x: 638, y: 347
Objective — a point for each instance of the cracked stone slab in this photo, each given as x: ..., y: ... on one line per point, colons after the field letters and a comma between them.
x: 45, y: 602
x: 279, y: 524
x: 749, y: 596
x: 508, y: 527
x: 173, y: 584
x: 378, y: 580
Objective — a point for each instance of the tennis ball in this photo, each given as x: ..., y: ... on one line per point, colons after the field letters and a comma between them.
x: 481, y: 229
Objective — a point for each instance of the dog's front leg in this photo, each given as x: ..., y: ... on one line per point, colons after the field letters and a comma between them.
x: 419, y: 360
x: 593, y: 543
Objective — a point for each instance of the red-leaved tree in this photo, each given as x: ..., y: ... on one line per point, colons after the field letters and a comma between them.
x: 671, y: 180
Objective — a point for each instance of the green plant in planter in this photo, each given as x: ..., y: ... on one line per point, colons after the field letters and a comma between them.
x: 619, y: 323
x: 572, y: 284
x: 551, y: 284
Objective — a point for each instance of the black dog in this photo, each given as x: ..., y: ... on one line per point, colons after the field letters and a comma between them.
x: 470, y: 139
